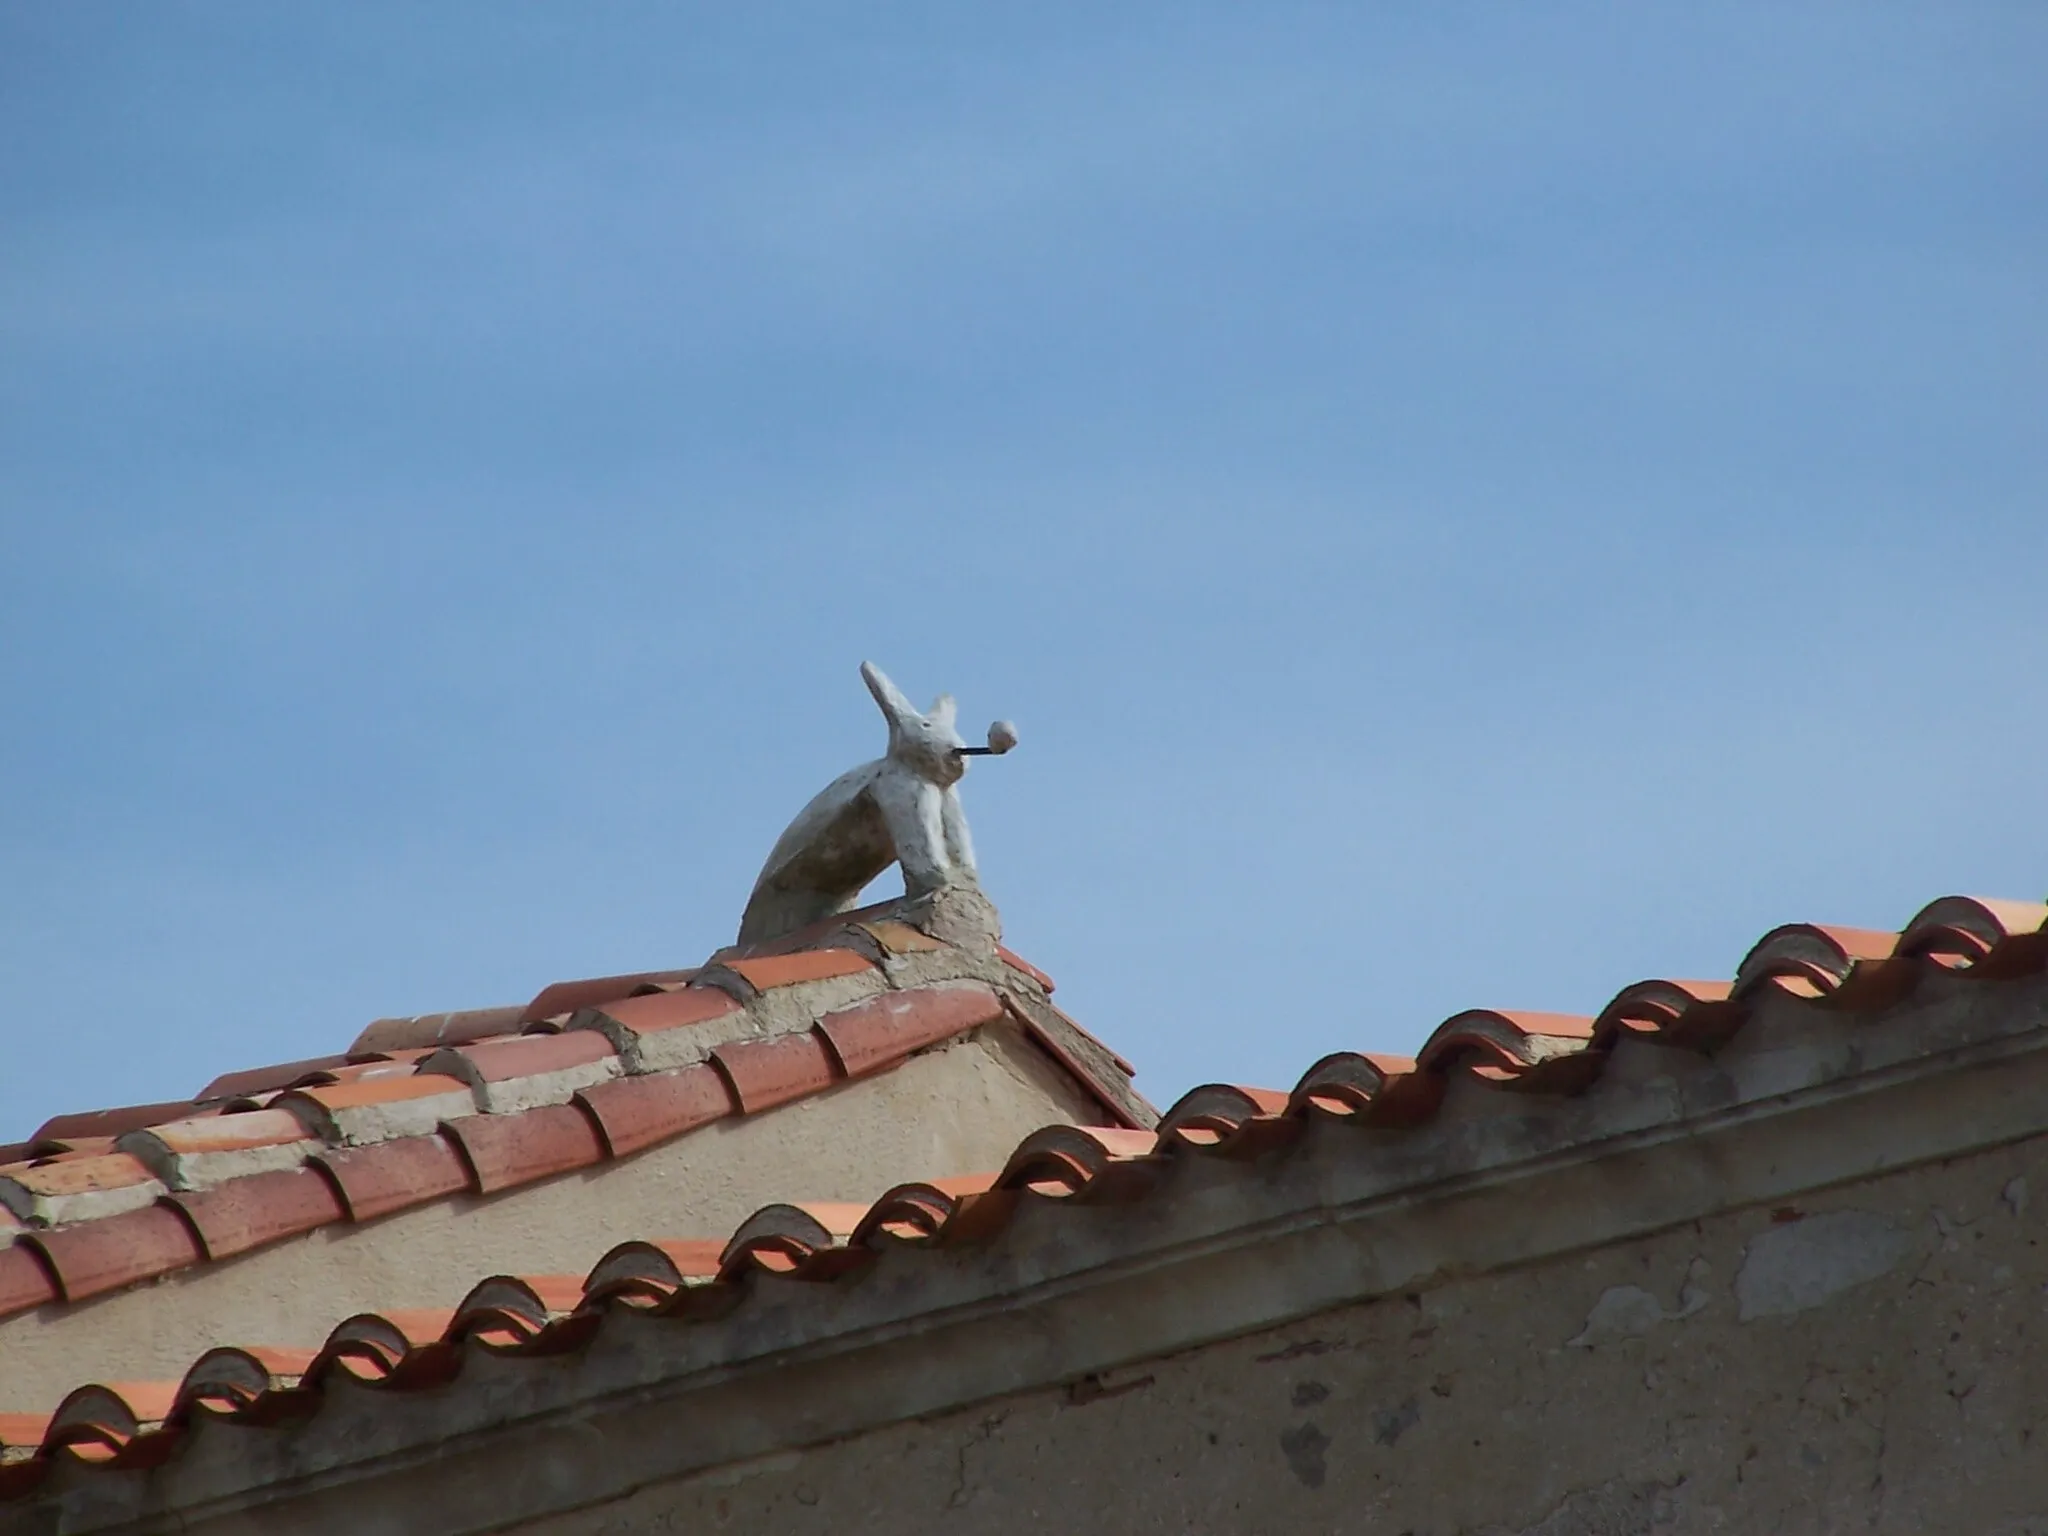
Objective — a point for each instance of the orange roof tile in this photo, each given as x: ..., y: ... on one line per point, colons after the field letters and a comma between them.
x: 764, y: 1073
x: 260, y: 1208
x: 567, y: 997
x: 111, y: 1122
x: 636, y: 1112
x: 90, y: 1257
x: 877, y: 1032
x: 392, y: 1175
x: 508, y: 1150
x: 767, y: 972
x: 25, y: 1279
x: 656, y: 1011
x: 236, y: 1085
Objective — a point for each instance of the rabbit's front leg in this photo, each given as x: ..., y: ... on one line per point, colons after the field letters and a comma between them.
x: 915, y: 810
x: 959, y: 846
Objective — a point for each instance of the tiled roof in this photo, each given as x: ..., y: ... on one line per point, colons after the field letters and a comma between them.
x: 486, y: 1100
x: 1849, y: 974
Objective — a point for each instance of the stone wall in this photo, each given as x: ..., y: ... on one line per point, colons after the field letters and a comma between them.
x: 1872, y: 1359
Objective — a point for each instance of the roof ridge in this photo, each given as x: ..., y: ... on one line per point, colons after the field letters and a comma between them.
x: 627, y: 1063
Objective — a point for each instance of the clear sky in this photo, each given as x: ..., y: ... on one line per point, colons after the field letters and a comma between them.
x: 1467, y: 505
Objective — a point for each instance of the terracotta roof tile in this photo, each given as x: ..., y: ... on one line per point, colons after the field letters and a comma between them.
x: 236, y: 1085
x: 648, y: 1272
x: 260, y: 1208
x: 1984, y: 933
x: 1816, y: 957
x: 104, y: 1255
x: 897, y: 938
x: 71, y: 1149
x: 237, y: 1380
x: 1065, y: 1159
x: 500, y: 1061
x: 883, y: 1030
x: 199, y: 1153
x: 837, y: 930
x: 566, y: 997
x: 558, y: 1293
x: 413, y: 1325
x: 790, y: 1239
x: 1506, y: 1041
x: 916, y: 1212
x: 1342, y: 1083
x: 1650, y: 1007
x: 526, y: 1071
x: 23, y: 1429
x: 72, y: 1172
x: 657, y: 1012
x: 764, y: 1073
x: 508, y: 1150
x: 375, y: 1092
x: 954, y: 1185
x: 664, y: 1029
x: 378, y: 1109
x: 403, y: 1064
x: 25, y: 1280
x: 75, y: 1147
x: 393, y: 1175
x: 222, y: 1133
x: 112, y: 1122
x: 79, y: 1188
x: 397, y: 1348
x: 637, y: 1112
x: 1017, y: 962
x: 429, y: 1030
x: 99, y: 1423
x: 1205, y: 1115
x: 769, y: 972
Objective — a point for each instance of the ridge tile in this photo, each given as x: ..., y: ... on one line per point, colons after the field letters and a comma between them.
x: 526, y: 1071
x: 380, y: 1109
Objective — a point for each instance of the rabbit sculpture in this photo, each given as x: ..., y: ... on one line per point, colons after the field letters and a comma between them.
x: 903, y: 808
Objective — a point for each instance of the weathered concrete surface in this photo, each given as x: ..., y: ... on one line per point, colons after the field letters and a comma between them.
x: 959, y: 1109
x: 1893, y: 1384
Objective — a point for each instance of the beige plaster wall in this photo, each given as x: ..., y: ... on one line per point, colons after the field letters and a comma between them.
x: 958, y: 1109
x: 1875, y: 1360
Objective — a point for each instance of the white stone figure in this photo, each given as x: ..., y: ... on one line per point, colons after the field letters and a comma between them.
x: 902, y: 808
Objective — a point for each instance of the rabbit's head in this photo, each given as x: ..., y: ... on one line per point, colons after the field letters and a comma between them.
x: 928, y: 744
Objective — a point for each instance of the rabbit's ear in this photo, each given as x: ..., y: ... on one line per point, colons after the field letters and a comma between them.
x: 896, y: 709
x: 943, y: 712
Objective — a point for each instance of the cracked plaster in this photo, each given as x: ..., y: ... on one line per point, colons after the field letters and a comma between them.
x: 1897, y: 1402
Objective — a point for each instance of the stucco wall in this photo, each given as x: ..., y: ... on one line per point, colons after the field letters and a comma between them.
x: 1875, y: 1359
x: 959, y: 1109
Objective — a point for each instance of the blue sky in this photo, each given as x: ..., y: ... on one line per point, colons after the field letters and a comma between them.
x: 1468, y: 505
